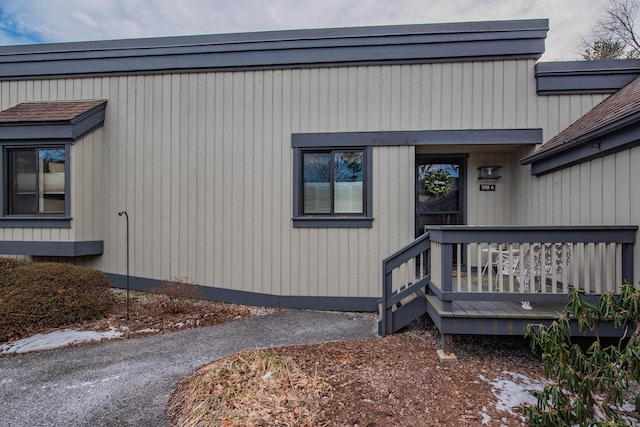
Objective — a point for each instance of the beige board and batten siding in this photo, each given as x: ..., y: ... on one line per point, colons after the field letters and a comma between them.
x: 603, y: 191
x: 553, y: 199
x: 202, y: 162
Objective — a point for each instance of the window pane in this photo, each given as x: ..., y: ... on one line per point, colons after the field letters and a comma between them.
x: 317, y: 180
x: 23, y: 166
x: 37, y: 181
x: 52, y: 193
x: 348, y: 178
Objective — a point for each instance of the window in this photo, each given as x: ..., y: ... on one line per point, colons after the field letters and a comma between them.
x: 333, y: 182
x: 36, y: 184
x: 332, y: 187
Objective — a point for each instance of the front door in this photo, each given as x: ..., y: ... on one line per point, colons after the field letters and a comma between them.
x: 440, y: 191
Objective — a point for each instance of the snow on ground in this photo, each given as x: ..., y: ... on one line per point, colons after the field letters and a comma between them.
x: 512, y: 390
x: 56, y: 339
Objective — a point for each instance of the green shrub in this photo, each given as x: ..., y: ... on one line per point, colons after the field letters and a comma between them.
x: 42, y: 295
x: 588, y: 388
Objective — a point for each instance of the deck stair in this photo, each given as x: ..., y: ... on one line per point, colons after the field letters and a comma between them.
x: 399, y: 306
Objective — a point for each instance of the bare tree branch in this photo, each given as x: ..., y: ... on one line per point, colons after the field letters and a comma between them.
x: 614, y: 36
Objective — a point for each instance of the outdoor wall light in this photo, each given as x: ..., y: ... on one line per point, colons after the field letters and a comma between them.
x: 489, y: 172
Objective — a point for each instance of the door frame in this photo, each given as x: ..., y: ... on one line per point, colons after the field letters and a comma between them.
x: 460, y: 158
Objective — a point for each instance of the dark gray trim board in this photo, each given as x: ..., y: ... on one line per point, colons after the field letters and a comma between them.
x: 533, y: 234
x: 55, y: 249
x: 280, y: 49
x: 618, y: 136
x: 258, y: 299
x: 419, y: 137
x: 575, y: 77
x: 34, y: 222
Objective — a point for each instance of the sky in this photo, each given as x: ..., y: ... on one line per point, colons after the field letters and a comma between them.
x: 48, y: 21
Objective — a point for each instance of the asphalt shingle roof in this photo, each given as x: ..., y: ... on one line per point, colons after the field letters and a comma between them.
x: 616, y: 107
x: 48, y: 111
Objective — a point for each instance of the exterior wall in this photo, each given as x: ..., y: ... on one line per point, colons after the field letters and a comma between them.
x: 535, y: 198
x: 202, y: 163
x: 602, y: 191
x: 86, y: 187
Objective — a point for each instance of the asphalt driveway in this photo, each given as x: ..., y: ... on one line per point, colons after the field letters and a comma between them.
x: 128, y: 382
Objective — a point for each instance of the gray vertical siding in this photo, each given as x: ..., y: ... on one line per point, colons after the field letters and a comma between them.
x: 202, y: 162
x: 602, y: 191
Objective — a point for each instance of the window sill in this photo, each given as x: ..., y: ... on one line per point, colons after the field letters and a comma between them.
x: 35, y: 222
x: 54, y: 249
x: 332, y: 222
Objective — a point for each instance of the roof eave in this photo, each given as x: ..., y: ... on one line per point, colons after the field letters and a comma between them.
x: 607, y: 139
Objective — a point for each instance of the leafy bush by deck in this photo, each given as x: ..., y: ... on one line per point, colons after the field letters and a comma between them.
x: 41, y: 295
x: 589, y: 388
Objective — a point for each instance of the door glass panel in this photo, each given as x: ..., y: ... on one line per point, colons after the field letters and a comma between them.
x: 438, y: 195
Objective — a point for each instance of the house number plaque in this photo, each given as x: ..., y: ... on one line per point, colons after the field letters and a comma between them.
x: 487, y: 187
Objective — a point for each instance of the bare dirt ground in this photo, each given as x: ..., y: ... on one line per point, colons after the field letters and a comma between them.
x: 397, y: 380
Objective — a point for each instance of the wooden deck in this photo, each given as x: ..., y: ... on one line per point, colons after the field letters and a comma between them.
x: 496, y: 317
x: 448, y: 274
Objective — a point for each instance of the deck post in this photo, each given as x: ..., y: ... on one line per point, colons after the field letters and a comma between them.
x: 446, y: 276
x: 387, y: 310
x: 447, y: 343
x: 627, y: 263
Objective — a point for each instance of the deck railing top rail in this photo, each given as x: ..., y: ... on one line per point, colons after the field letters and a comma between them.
x: 533, y: 234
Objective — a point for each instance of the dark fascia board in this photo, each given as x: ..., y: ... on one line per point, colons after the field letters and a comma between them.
x: 58, y: 249
x: 234, y: 296
x: 578, y: 77
x: 420, y: 137
x: 68, y: 130
x: 610, y: 139
x: 280, y: 49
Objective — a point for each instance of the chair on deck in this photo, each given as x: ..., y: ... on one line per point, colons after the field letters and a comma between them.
x: 516, y: 263
x: 529, y: 264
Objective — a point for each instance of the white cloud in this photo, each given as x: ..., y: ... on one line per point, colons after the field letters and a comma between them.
x: 71, y: 20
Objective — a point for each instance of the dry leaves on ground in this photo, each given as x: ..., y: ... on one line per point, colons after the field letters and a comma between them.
x: 397, y: 380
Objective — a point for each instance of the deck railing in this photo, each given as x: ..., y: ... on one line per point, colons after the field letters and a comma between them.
x: 405, y: 274
x: 528, y: 263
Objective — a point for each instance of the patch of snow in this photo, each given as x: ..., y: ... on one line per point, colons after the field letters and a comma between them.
x: 178, y: 324
x: 56, y: 339
x: 267, y: 375
x: 485, y: 417
x: 513, y: 390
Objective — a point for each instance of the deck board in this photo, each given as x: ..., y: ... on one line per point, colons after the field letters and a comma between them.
x: 495, y: 317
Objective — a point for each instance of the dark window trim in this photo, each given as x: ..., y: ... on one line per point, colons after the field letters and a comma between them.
x: 62, y: 220
x: 332, y: 220
x: 527, y: 136
x: 58, y: 249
